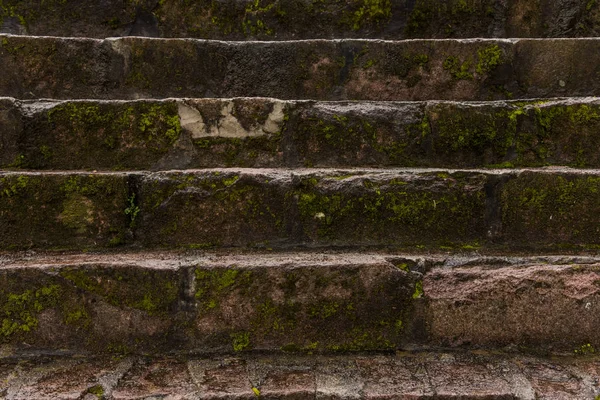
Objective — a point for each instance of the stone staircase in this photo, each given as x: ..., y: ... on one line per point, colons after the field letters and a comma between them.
x: 328, y: 199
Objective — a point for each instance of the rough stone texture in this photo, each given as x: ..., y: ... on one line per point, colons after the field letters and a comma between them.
x: 63, y: 210
x: 258, y: 132
x: 100, y: 308
x: 280, y: 20
x: 305, y: 308
x: 442, y: 375
x: 114, y: 135
x: 533, y: 307
x: 11, y: 127
x: 148, y: 305
x: 557, y: 210
x: 299, y: 303
x: 275, y: 208
x: 132, y: 68
x: 62, y: 378
x: 411, y: 209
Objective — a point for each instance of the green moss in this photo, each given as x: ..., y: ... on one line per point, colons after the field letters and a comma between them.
x: 252, y: 24
x: 324, y: 311
x: 19, y: 310
x: 369, y: 13
x: 586, y: 349
x: 97, y: 390
x: 132, y: 210
x: 471, y: 247
x: 212, y: 284
x: 550, y: 203
x: 291, y: 348
x: 147, y: 123
x: 459, y: 70
x: 153, y: 292
x: 369, y: 64
x: 421, y: 59
x: 383, y: 206
x: 240, y: 341
x: 342, y: 134
x: 418, y: 293
x: 78, y: 213
x: 91, y: 185
x: 580, y: 120
x: 46, y: 152
x: 488, y: 59
x: 403, y: 267
x: 11, y: 186
x: 476, y: 131
x: 581, y: 113
x: 119, y: 350
x: 362, y: 339
x: 90, y: 129
x: 230, y: 181
x: 77, y: 317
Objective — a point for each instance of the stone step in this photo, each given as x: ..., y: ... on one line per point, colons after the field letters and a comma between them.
x: 277, y: 20
x: 416, y: 375
x: 556, y: 209
x: 259, y: 132
x: 155, y: 303
x: 132, y: 68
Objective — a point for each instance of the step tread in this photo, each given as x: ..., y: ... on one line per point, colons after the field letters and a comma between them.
x: 128, y: 68
x: 278, y: 208
x: 203, y: 302
x: 421, y: 375
x: 269, y: 133
x: 276, y: 20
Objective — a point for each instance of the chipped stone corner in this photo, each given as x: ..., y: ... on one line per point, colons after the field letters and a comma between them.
x: 228, y: 125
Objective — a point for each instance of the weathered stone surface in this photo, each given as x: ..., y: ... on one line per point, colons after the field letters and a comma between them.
x: 62, y: 378
x: 11, y: 126
x: 306, y: 307
x: 536, y: 307
x: 274, y: 208
x: 266, y: 208
x: 301, y: 303
x: 63, y: 210
x: 132, y: 68
x: 100, y: 308
x: 222, y: 378
x: 114, y: 135
x: 558, y: 210
x: 232, y: 304
x: 279, y: 20
x: 157, y: 379
x: 507, y: 377
x: 213, y: 208
x: 257, y: 132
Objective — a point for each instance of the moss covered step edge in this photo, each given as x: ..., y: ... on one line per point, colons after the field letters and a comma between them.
x: 414, y: 209
x: 133, y: 68
x: 307, y: 19
x: 308, y: 303
x: 260, y: 132
x: 416, y: 375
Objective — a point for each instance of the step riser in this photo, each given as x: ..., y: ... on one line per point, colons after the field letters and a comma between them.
x: 410, y: 375
x: 227, y: 309
x: 266, y: 133
x: 328, y: 306
x: 325, y: 70
x: 267, y: 208
x: 524, y: 306
x: 272, y: 20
